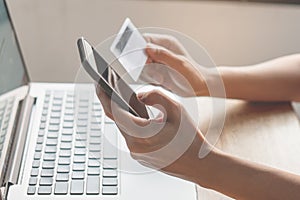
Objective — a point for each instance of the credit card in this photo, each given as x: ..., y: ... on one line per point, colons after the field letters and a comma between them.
x: 128, y: 47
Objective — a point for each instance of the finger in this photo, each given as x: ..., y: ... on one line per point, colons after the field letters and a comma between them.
x: 167, y: 41
x: 159, y: 39
x: 135, y: 129
x: 165, y: 104
x: 164, y: 56
x: 105, y: 100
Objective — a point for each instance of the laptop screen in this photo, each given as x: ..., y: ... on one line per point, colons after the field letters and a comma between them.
x: 12, y: 70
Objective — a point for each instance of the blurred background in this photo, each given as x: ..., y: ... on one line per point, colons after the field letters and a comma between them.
x: 233, y: 32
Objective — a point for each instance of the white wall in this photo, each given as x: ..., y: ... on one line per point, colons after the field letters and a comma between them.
x: 233, y: 33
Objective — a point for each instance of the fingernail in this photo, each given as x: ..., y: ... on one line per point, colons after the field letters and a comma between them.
x: 159, y: 119
x: 150, y: 49
x: 141, y: 96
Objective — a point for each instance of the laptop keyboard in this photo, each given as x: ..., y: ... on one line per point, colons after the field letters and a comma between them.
x: 5, y: 113
x: 72, y: 156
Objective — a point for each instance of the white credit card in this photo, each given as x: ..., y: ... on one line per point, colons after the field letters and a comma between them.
x: 129, y: 48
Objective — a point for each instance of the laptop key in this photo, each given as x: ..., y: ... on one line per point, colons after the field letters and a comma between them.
x: 94, y: 148
x: 49, y: 156
x: 68, y: 118
x: 51, y: 142
x: 56, y: 109
x: 32, y: 180
x: 110, y: 173
x: 35, y: 163
x: 48, y: 165
x: 61, y: 188
x: 55, y: 115
x: 78, y: 175
x: 80, y: 137
x: 34, y: 172
x: 93, y: 171
x: 80, y: 151
x: 77, y: 186
x: 64, y: 161
x: 50, y: 149
x: 78, y: 167
x: 62, y: 177
x: 96, y: 141
x: 95, y: 134
x: 79, y: 159
x: 53, y: 128
x: 47, y: 173
x: 67, y: 131
x: 44, y: 190
x: 66, y: 138
x: 109, y: 181
x: 54, y: 121
x: 46, y: 181
x: 37, y: 155
x: 92, y: 185
x: 52, y: 135
x: 80, y: 144
x: 65, y: 153
x: 40, y: 140
x: 41, y: 133
x: 94, y: 163
x: 109, y: 190
x: 94, y: 155
x: 65, y: 145
x: 31, y: 190
x: 38, y: 148
x: 81, y: 130
x: 68, y: 125
x: 63, y: 168
x: 82, y: 123
x: 95, y: 127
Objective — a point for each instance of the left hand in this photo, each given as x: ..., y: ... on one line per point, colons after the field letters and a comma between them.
x: 169, y: 143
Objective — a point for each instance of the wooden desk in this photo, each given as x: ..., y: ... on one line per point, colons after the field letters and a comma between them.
x: 267, y: 133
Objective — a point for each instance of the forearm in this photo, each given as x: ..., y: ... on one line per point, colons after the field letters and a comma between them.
x: 275, y: 80
x: 243, y: 179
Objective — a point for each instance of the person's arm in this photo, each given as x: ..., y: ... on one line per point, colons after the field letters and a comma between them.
x: 243, y: 179
x: 275, y: 80
x: 162, y: 144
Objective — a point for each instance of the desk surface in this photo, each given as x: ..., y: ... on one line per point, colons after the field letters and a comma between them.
x: 266, y: 133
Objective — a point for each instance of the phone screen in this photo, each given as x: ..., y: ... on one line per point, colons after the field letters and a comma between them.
x: 114, y: 86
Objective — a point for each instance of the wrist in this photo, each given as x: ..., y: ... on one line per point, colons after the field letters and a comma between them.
x: 211, y: 83
x: 206, y: 168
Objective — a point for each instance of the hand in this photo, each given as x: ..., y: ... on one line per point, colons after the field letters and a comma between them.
x: 168, y: 42
x: 170, y: 66
x: 169, y: 143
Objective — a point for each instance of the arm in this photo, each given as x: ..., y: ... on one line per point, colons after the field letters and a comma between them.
x: 243, y: 179
x: 275, y: 80
x: 219, y: 171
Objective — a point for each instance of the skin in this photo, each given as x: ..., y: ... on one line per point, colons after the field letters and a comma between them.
x: 276, y: 80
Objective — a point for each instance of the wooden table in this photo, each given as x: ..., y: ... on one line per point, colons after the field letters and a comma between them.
x: 266, y: 133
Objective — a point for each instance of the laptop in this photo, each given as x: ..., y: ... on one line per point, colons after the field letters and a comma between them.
x: 56, y: 143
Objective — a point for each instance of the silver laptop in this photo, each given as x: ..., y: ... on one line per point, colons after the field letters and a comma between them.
x: 56, y: 143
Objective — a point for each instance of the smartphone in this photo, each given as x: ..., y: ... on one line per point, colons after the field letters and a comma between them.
x: 109, y: 80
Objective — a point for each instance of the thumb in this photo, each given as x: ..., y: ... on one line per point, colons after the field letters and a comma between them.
x: 159, y: 100
x: 164, y: 56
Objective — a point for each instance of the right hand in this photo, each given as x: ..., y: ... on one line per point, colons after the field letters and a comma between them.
x: 169, y: 143
x: 170, y: 66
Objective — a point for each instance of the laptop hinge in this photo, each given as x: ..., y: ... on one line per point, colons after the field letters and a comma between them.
x: 18, y: 143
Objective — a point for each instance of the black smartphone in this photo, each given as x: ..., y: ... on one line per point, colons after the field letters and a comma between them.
x: 108, y: 79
